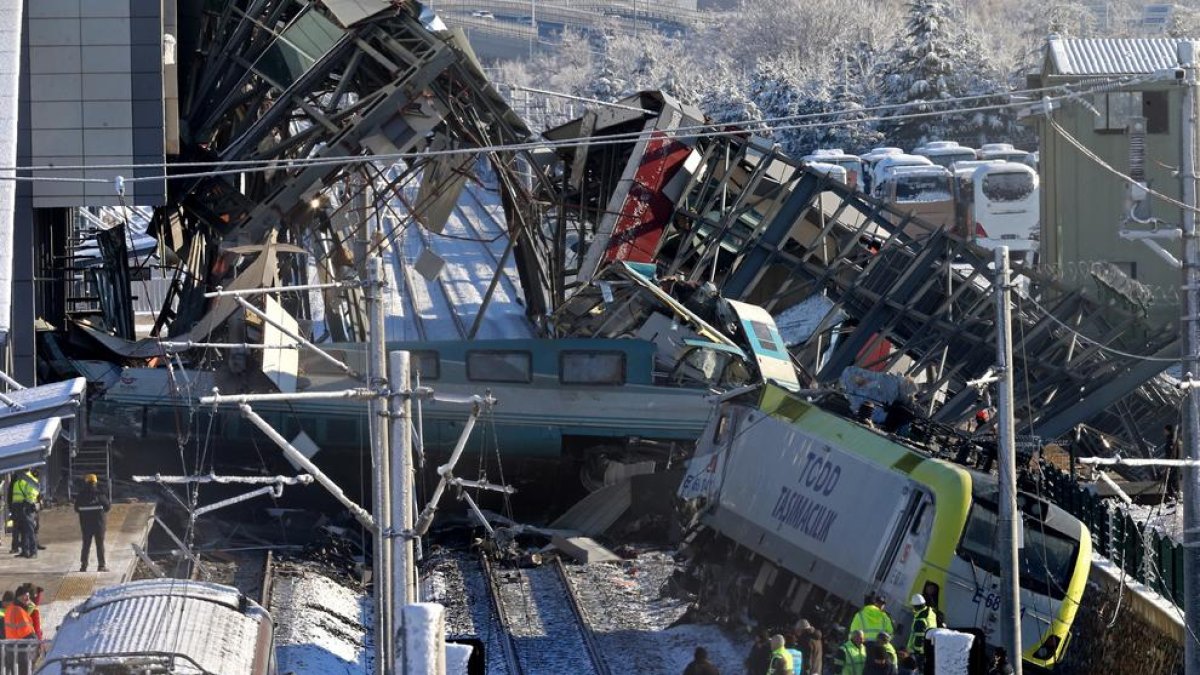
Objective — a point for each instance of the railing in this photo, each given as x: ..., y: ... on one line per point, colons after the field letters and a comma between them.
x: 21, y: 657
x: 1149, y: 557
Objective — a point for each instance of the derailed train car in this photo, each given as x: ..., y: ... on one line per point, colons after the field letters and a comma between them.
x: 802, y: 512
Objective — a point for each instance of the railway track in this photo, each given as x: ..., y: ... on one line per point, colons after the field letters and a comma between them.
x: 544, y: 628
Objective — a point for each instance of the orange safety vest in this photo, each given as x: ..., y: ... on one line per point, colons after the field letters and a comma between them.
x: 17, y: 623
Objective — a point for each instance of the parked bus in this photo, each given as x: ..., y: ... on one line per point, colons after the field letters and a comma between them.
x: 853, y: 164
x: 962, y: 179
x: 1004, y: 208
x: 924, y: 191
x: 945, y: 153
x: 885, y: 165
x: 817, y: 510
x: 870, y: 159
x: 1004, y: 151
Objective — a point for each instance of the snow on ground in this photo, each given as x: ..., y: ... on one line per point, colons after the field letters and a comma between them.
x: 321, y: 626
x: 632, y: 618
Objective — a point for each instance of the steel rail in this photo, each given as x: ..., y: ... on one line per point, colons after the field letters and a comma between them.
x: 581, y: 620
x: 508, y: 642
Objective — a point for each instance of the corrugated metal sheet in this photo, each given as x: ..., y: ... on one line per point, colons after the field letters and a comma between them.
x: 1099, y: 57
x: 200, y: 622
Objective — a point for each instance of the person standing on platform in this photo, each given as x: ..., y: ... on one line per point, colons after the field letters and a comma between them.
x: 27, y: 492
x: 92, y: 505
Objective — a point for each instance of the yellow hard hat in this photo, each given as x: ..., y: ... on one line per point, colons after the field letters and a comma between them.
x: 91, y: 478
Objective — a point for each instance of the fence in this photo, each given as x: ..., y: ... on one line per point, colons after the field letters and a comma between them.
x: 20, y: 657
x: 1149, y: 557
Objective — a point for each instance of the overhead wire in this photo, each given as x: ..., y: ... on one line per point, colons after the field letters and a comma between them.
x: 723, y: 129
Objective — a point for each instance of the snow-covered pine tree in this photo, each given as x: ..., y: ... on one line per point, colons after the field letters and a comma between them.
x: 937, y: 60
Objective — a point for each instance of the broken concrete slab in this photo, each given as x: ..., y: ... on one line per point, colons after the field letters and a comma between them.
x: 584, y: 549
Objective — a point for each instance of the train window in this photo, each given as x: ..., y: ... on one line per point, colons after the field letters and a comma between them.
x: 426, y: 364
x: 580, y: 367
x: 918, y: 521
x: 762, y: 332
x: 1007, y: 187
x: 722, y: 430
x: 978, y: 545
x: 1047, y: 558
x: 499, y: 366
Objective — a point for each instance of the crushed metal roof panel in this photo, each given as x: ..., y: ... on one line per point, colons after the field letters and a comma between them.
x: 1112, y: 56
x: 198, y: 623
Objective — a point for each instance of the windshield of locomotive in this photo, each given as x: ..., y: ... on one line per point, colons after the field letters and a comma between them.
x: 1047, y: 556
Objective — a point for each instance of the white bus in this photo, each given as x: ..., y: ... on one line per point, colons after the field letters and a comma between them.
x: 872, y: 157
x: 885, y: 165
x: 853, y: 164
x: 1004, y: 209
x: 1004, y: 151
x: 924, y: 191
x: 945, y: 153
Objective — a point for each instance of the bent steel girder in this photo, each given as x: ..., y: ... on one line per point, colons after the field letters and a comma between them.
x: 925, y: 290
x: 282, y: 84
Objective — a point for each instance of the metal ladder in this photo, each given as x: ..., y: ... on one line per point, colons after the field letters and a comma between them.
x: 93, y: 454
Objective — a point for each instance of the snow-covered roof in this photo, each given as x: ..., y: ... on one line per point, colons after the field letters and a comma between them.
x: 1110, y: 56
x: 906, y: 171
x: 27, y: 445
x: 209, y: 628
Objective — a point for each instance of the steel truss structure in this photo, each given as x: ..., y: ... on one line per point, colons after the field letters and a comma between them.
x: 916, y: 299
x: 288, y: 102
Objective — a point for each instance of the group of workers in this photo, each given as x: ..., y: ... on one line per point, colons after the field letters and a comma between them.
x: 869, y: 649
x: 22, y: 618
x: 91, y: 504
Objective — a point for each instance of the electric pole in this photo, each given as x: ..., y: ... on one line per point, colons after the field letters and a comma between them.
x: 381, y: 570
x: 1190, y: 326
x: 404, y: 589
x: 1010, y: 530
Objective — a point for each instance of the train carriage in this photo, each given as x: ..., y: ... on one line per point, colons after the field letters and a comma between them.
x: 846, y: 509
